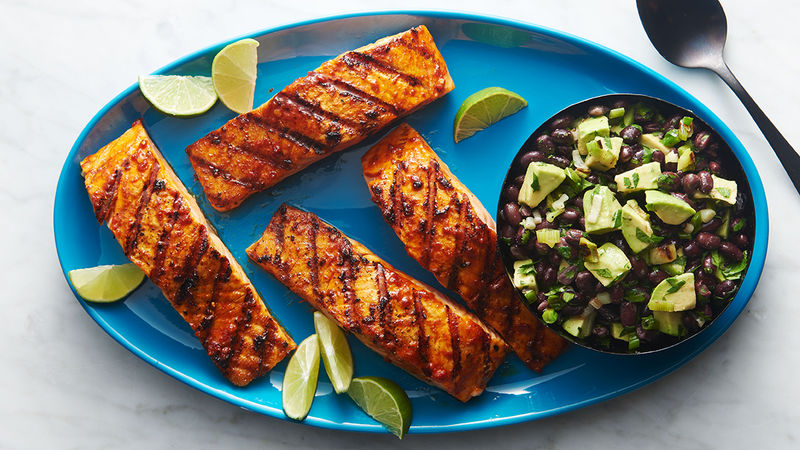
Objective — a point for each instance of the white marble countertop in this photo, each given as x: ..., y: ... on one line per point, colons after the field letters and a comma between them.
x: 66, y: 384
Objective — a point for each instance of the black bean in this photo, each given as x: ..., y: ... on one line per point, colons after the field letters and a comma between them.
x: 542, y: 249
x: 518, y: 236
x: 543, y: 304
x: 570, y: 215
x: 619, y: 104
x: 617, y: 292
x: 673, y: 122
x: 702, y: 291
x: 692, y: 249
x: 708, y: 241
x: 609, y: 312
x: 571, y: 310
x: 582, y: 223
x: 631, y: 135
x: 701, y: 140
x: 715, y: 167
x: 724, y: 289
x: 642, y: 292
x: 525, y: 211
x: 573, y: 236
x: 544, y: 224
x: 547, y: 277
x: 689, y: 322
x: 638, y: 267
x: 512, y: 214
x: 646, y: 335
x: 508, y: 231
x: 658, y: 157
x: 657, y: 276
x: 625, y: 154
x: 565, y: 151
x: 638, y: 155
x: 600, y: 331
x: 627, y: 314
x: 597, y: 110
x: 554, y: 258
x: 531, y: 156
x: 706, y: 182
x: 518, y: 181
x: 712, y: 225
x: 511, y: 192
x: 592, y: 178
x: 707, y: 310
x: 567, y: 275
x: 705, y: 278
x: 584, y: 282
x: 683, y: 197
x: 730, y: 251
x: 741, y: 241
x: 700, y: 164
x: 708, y: 264
x: 562, y: 136
x: 561, y: 122
x: 545, y: 144
x: 690, y: 182
x: 517, y: 252
x: 736, y: 222
x: 621, y: 243
x: 669, y: 181
x: 578, y: 202
x: 559, y: 161
x: 652, y: 127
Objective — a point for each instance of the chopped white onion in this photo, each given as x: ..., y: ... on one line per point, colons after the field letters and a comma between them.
x: 707, y: 214
x: 537, y: 217
x: 578, y: 160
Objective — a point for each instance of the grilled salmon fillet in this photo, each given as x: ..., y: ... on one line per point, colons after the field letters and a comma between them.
x: 334, y: 107
x: 447, y: 230
x: 407, y: 322
x: 162, y: 230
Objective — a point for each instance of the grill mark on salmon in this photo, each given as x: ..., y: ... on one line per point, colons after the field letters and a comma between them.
x: 336, y: 106
x: 408, y: 323
x: 452, y: 235
x: 162, y: 230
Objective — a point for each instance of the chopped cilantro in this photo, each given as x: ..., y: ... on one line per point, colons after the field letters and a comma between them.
x: 635, y: 179
x: 739, y: 225
x: 526, y: 237
x: 605, y: 273
x: 725, y: 192
x: 534, y: 182
x: 649, y: 323
x: 674, y: 285
x: 618, y: 218
x: 627, y: 182
x: 634, y: 296
x: 633, y: 342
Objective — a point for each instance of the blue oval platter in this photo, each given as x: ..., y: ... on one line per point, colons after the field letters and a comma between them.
x: 549, y: 68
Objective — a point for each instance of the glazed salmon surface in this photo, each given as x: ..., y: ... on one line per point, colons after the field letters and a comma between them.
x: 447, y: 230
x: 407, y: 322
x: 162, y: 230
x: 334, y: 107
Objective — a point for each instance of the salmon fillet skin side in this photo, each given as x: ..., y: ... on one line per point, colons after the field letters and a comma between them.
x: 446, y: 229
x: 162, y: 230
x: 407, y: 322
x: 332, y: 108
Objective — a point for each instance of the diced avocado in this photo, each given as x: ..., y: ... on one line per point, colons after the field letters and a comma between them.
x: 589, y: 128
x: 723, y: 190
x: 540, y: 180
x: 636, y: 228
x: 580, y: 326
x: 669, y: 322
x: 639, y: 179
x: 524, y: 274
x: 674, y: 294
x: 676, y: 267
x: 663, y: 254
x: 603, y: 152
x: 653, y: 141
x: 611, y: 264
x: 600, y: 208
x: 616, y: 332
x: 686, y: 159
x: 671, y: 210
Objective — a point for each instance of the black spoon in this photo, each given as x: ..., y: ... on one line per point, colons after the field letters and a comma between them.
x: 691, y: 33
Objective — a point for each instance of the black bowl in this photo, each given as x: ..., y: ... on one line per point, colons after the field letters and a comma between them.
x: 733, y: 170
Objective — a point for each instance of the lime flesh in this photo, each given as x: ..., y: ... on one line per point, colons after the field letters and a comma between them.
x: 484, y: 108
x: 178, y: 95
x: 335, y: 352
x: 234, y: 74
x: 105, y: 284
x: 384, y: 401
x: 300, y: 379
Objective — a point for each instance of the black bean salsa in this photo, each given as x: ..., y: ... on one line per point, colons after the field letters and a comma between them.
x: 626, y: 229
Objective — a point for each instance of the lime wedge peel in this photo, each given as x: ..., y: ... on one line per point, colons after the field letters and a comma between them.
x: 383, y: 400
x: 178, y: 95
x: 233, y: 72
x: 484, y: 108
x: 106, y: 284
x: 300, y: 379
x: 335, y: 350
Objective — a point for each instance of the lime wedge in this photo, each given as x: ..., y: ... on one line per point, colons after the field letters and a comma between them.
x: 105, y: 284
x: 300, y: 379
x: 335, y: 352
x: 234, y: 74
x: 384, y: 401
x: 484, y: 108
x: 178, y: 95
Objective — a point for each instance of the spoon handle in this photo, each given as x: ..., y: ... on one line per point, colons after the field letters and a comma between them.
x: 786, y: 154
